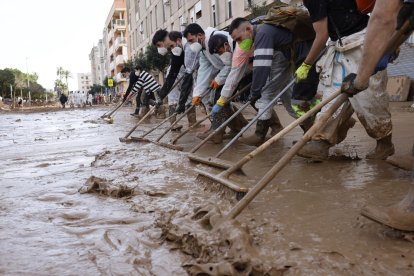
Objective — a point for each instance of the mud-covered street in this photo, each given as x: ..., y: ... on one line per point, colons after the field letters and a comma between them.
x: 74, y: 200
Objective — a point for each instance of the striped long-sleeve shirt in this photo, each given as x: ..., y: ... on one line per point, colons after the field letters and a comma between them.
x: 146, y: 81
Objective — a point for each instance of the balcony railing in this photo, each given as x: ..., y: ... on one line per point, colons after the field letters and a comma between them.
x: 120, y: 59
x: 120, y: 41
x: 111, y: 34
x: 112, y: 65
x: 118, y: 24
x: 111, y: 50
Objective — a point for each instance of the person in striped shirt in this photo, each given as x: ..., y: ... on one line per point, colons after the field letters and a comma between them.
x: 147, y: 82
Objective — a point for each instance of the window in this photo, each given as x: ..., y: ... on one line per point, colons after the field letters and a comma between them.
x: 156, y: 16
x: 213, y: 9
x: 230, y: 11
x: 198, y: 10
x: 192, y: 15
x: 163, y: 13
x: 150, y: 21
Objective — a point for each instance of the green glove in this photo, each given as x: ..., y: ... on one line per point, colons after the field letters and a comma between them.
x: 303, y: 71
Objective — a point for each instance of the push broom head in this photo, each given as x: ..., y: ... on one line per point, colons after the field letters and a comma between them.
x: 109, y: 120
x: 224, y: 187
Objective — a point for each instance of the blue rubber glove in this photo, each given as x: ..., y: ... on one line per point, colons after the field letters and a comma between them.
x: 216, y: 109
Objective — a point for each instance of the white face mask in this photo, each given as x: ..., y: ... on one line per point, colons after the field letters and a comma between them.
x: 226, y: 58
x: 196, y: 47
x: 162, y: 51
x: 176, y: 51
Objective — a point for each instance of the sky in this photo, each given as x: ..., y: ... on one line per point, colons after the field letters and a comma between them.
x: 51, y: 33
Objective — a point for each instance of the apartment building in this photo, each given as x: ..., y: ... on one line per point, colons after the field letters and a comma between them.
x: 147, y: 16
x: 84, y: 82
x: 115, y: 37
x: 97, y: 60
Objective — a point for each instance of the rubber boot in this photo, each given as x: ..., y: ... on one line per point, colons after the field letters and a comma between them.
x: 384, y: 148
x: 191, y: 117
x: 143, y: 112
x: 398, y: 216
x: 236, y: 125
x: 318, y: 150
x: 136, y: 113
x: 171, y: 111
x: 405, y: 162
x: 256, y: 139
x: 161, y: 112
x: 275, y: 124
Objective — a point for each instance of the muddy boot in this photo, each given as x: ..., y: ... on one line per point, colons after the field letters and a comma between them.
x: 216, y: 138
x: 191, y: 117
x: 275, y: 124
x: 318, y: 150
x: 307, y: 124
x: 256, y: 139
x: 405, y: 162
x: 171, y: 111
x: 384, y: 148
x: 398, y: 216
x: 161, y: 113
x: 136, y: 113
x: 236, y: 125
x: 143, y: 112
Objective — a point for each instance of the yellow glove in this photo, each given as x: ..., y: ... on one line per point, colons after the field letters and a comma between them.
x: 196, y: 100
x: 221, y: 101
x: 303, y: 71
x: 214, y: 85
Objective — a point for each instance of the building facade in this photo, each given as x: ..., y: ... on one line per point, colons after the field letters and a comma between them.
x: 98, y: 64
x: 115, y: 41
x: 84, y: 82
x: 148, y: 16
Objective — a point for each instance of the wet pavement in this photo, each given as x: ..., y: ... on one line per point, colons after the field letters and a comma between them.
x: 305, y: 222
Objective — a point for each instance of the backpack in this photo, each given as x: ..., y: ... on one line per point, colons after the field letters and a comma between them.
x: 294, y: 19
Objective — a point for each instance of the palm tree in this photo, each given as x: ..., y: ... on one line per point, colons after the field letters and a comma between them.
x: 66, y: 74
x: 59, y: 72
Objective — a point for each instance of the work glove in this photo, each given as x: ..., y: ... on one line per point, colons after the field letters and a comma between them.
x: 406, y: 13
x: 348, y: 85
x: 303, y: 71
x: 196, y: 100
x: 219, y: 105
x: 214, y: 85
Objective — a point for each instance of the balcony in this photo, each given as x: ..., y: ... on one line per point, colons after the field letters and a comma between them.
x: 121, y: 59
x: 119, y: 41
x: 119, y: 25
x: 111, y: 51
x: 112, y: 65
x: 111, y: 34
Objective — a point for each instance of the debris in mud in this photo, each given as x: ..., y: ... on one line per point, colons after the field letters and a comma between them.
x: 100, y: 157
x: 43, y: 165
x: 104, y: 187
x: 39, y: 139
x: 207, y: 238
x: 18, y: 120
x: 91, y: 121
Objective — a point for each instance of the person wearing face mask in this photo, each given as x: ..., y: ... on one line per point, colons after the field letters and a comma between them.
x: 172, y: 42
x: 219, y: 44
x: 126, y: 71
x: 146, y: 82
x: 212, y: 71
x: 275, y: 51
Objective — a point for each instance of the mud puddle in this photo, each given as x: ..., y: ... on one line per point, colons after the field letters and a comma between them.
x: 81, y: 202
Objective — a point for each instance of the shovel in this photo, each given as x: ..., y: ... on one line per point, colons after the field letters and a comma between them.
x: 219, y: 163
x: 223, y: 177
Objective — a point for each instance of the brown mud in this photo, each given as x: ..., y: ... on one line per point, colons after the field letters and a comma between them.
x: 74, y: 200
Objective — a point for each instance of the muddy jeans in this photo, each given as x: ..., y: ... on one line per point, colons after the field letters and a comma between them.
x: 274, y: 85
x: 371, y: 105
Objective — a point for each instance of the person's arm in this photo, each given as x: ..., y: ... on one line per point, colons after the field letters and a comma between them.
x: 176, y: 63
x: 132, y: 79
x: 322, y: 35
x: 203, y: 76
x: 380, y: 28
x: 240, y: 62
